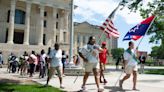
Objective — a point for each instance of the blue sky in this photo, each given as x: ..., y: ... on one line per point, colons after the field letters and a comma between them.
x: 96, y: 11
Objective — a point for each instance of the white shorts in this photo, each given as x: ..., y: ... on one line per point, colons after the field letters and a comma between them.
x: 129, y: 69
x: 90, y: 66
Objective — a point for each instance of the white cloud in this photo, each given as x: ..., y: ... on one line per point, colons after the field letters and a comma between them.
x: 88, y: 9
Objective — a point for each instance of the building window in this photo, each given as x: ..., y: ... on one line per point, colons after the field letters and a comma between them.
x: 19, y: 16
x: 45, y: 14
x: 44, y: 39
x: 57, y: 25
x: 83, y: 39
x: 8, y: 16
x: 78, y: 39
x: 57, y: 15
x: 45, y: 23
x: 64, y: 36
x: 56, y: 38
x: 6, y: 35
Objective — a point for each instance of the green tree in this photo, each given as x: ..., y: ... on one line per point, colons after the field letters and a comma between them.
x: 157, y: 52
x: 117, y: 52
x: 154, y: 52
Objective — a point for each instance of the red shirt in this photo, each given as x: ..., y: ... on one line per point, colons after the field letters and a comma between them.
x: 103, y: 56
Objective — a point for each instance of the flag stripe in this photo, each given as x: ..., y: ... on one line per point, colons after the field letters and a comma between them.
x: 111, y: 32
x: 110, y: 29
x: 108, y: 25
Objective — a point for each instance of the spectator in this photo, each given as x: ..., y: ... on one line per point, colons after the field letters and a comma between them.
x: 32, y: 63
x: 63, y: 61
x: 1, y: 59
x: 142, y: 59
x: 42, y: 64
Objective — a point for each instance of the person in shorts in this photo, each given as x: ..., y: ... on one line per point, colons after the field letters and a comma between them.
x: 130, y: 67
x: 91, y: 61
x: 55, y: 64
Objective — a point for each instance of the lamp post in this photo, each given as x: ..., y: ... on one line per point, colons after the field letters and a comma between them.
x: 71, y: 34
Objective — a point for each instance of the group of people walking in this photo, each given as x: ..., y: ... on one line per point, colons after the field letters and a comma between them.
x: 31, y: 63
x: 94, y: 60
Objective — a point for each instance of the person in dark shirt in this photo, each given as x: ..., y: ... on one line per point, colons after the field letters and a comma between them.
x: 142, y: 59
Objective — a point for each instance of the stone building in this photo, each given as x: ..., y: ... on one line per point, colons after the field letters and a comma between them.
x: 27, y: 25
x: 84, y: 30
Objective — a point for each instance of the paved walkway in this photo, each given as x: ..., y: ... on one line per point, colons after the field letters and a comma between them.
x: 146, y: 83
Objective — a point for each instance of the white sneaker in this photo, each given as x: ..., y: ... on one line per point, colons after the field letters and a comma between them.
x: 64, y: 75
x: 83, y: 88
x: 55, y: 76
x: 61, y: 86
x: 100, y: 89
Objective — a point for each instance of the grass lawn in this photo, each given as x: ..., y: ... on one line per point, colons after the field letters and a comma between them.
x: 10, y: 87
x: 155, y: 71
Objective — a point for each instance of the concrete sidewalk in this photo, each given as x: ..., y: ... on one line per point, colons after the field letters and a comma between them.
x: 146, y: 83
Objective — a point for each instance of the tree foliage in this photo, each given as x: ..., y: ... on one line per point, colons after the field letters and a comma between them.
x: 117, y: 52
x: 157, y: 52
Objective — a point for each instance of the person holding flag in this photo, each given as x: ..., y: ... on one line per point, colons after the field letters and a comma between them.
x: 130, y: 65
x: 130, y: 59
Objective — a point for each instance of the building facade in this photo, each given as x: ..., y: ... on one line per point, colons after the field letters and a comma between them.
x: 84, y: 30
x: 27, y: 25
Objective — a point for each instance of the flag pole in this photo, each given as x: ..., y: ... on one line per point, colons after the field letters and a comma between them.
x: 146, y: 32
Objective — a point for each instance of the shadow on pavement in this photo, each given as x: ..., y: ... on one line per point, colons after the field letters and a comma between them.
x: 152, y: 81
x: 116, y: 89
x: 4, y: 87
x: 90, y: 83
x: 9, y: 81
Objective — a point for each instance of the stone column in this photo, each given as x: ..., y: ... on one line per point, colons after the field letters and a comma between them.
x: 66, y: 18
x: 86, y: 39
x: 41, y: 21
x: 61, y: 25
x: 66, y: 15
x: 11, y: 23
x: 54, y: 24
x: 81, y: 40
x: 27, y: 28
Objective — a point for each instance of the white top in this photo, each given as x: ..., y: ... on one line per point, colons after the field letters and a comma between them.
x: 90, y: 52
x: 56, y: 57
x: 129, y: 58
x: 43, y: 59
x: 34, y: 59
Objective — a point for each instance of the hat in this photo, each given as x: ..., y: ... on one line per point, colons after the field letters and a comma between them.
x: 103, y: 43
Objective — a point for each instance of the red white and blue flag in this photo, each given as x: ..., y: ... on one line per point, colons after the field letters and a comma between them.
x: 139, y: 30
x: 108, y: 25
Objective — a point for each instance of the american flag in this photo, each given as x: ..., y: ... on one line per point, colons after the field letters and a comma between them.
x: 108, y: 25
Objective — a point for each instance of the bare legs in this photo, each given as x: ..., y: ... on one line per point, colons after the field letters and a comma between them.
x: 127, y: 76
